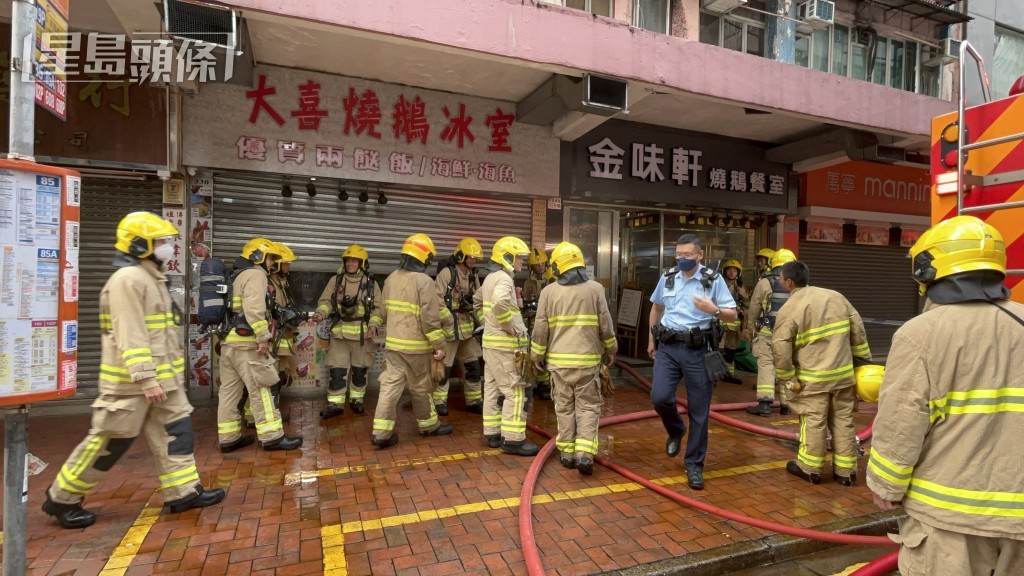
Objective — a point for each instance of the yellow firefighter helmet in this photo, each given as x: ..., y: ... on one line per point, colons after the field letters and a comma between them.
x: 468, y: 248
x: 960, y: 244
x: 537, y: 256
x: 766, y: 253
x: 869, y: 381
x: 565, y: 257
x: 781, y: 257
x: 420, y: 247
x: 359, y: 253
x: 287, y: 255
x: 506, y: 249
x: 732, y: 264
x: 137, y: 231
x: 256, y: 250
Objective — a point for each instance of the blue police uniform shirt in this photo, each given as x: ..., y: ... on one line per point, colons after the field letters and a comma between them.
x: 680, y: 312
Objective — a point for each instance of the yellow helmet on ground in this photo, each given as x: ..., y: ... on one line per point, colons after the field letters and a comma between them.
x: 506, y: 249
x: 420, y: 247
x: 732, y: 264
x: 359, y: 253
x: 766, y: 253
x: 565, y: 257
x: 137, y: 231
x: 960, y: 244
x: 537, y: 256
x: 468, y: 248
x: 257, y: 250
x: 286, y: 253
x: 869, y: 381
x: 781, y: 257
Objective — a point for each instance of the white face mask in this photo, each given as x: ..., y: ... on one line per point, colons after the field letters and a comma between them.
x: 163, y: 253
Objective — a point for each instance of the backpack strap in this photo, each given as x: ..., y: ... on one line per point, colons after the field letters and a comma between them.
x: 1012, y: 315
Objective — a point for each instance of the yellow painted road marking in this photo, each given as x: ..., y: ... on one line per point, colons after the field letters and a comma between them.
x: 122, y: 556
x: 333, y: 536
x: 297, y: 477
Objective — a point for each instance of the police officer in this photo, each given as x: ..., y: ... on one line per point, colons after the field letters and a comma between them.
x: 759, y: 321
x: 411, y: 315
x: 141, y: 381
x: 946, y: 442
x: 732, y: 271
x: 505, y: 338
x: 352, y: 301
x: 684, y: 304
x: 573, y: 335
x: 540, y: 276
x: 456, y: 285
x: 817, y: 335
x: 245, y: 360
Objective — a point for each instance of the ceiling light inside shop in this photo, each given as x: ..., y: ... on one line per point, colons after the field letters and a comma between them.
x: 311, y: 188
x: 342, y: 194
x: 382, y: 199
x: 363, y: 196
x: 286, y: 191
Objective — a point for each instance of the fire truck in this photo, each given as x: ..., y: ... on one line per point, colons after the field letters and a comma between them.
x: 977, y: 165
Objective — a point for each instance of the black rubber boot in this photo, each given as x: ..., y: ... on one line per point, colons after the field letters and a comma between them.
x: 358, y: 381
x: 763, y: 408
x: 524, y: 448
x: 442, y: 430
x: 794, y: 469
x: 240, y: 443
x: 201, y: 499
x: 567, y: 460
x: 475, y: 408
x: 70, y: 516
x: 586, y: 466
x: 784, y: 410
x: 845, y: 480
x: 389, y: 442
x: 493, y: 440
x: 283, y: 443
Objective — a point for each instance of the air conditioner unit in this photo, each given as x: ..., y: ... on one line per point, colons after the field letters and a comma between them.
x: 816, y: 15
x: 949, y: 51
x: 722, y: 6
x: 201, y: 22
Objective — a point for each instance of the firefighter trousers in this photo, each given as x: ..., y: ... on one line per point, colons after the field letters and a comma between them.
x: 468, y: 352
x: 578, y: 401
x: 820, y: 412
x: 930, y: 551
x: 502, y: 379
x: 766, y: 382
x: 116, y: 421
x: 402, y: 371
x: 236, y: 375
x: 351, y: 357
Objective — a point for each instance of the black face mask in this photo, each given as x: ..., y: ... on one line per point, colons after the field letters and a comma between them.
x: 685, y: 264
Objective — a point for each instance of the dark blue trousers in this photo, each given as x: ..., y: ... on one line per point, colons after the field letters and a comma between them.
x: 674, y: 361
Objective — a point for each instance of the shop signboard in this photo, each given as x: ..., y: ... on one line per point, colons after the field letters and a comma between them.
x: 869, y: 187
x: 310, y: 124
x: 619, y: 161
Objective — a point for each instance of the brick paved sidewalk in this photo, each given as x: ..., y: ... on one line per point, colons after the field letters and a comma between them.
x: 427, y: 506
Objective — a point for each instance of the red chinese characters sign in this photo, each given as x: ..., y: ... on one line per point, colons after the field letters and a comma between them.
x: 301, y: 122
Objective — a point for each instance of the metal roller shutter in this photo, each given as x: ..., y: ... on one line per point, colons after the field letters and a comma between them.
x: 319, y: 228
x: 875, y: 279
x: 104, y: 203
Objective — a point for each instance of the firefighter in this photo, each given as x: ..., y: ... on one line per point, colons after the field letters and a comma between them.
x: 141, y: 381
x: 540, y: 276
x: 505, y: 341
x: 732, y: 270
x: 572, y: 337
x: 246, y: 360
x: 764, y: 259
x: 817, y: 335
x: 279, y: 280
x: 351, y: 300
x: 456, y: 284
x: 759, y: 321
x: 950, y: 412
x: 411, y: 316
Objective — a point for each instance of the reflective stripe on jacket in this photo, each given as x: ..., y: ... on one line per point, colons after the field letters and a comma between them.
x: 817, y: 334
x: 573, y: 327
x: 141, y: 334
x: 950, y: 414
x: 410, y: 312
x: 249, y: 298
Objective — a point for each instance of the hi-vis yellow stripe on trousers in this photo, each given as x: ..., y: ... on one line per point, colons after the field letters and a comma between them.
x: 179, y: 478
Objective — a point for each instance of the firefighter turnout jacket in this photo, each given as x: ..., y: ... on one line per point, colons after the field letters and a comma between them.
x: 142, y: 344
x: 249, y: 299
x: 411, y: 313
x: 950, y: 416
x: 460, y: 314
x: 817, y: 334
x: 574, y: 328
x: 765, y: 303
x: 354, y: 317
x: 504, y: 328
x: 283, y: 299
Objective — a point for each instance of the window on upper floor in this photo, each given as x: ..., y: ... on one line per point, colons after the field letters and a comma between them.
x: 653, y: 15
x: 599, y: 7
x: 1008, y: 62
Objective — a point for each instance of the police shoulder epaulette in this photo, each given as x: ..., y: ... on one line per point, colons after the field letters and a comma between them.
x: 671, y: 271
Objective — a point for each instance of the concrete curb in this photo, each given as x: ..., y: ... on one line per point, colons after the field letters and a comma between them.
x: 764, y: 552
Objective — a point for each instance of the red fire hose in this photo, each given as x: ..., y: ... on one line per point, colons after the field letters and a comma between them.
x: 881, y: 566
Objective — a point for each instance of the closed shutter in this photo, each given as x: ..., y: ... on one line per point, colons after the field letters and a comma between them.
x: 104, y: 203
x: 875, y: 279
x: 318, y: 229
